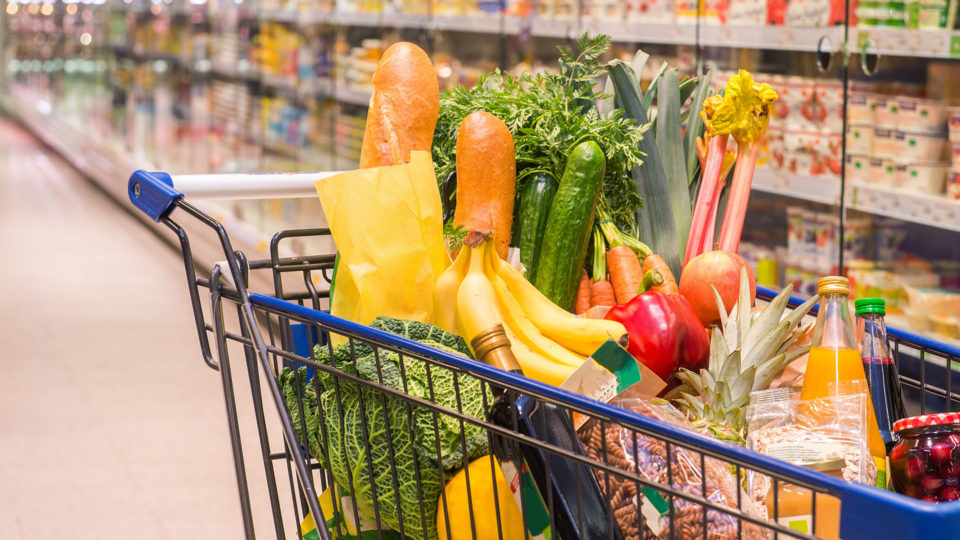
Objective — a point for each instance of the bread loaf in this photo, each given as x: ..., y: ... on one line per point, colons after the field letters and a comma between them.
x: 486, y: 178
x: 403, y: 108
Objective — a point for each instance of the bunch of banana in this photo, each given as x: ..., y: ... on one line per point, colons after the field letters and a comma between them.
x: 479, y: 291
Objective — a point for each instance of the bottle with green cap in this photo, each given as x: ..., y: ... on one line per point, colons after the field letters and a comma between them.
x: 882, y: 374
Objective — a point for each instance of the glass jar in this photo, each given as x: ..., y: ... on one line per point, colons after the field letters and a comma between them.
x: 794, y: 504
x: 925, y: 464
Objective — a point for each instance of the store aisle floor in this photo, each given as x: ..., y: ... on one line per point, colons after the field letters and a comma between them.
x: 110, y: 425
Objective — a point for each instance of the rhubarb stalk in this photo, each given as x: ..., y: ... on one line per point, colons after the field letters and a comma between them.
x: 728, y: 160
x: 753, y: 105
x: 709, y: 193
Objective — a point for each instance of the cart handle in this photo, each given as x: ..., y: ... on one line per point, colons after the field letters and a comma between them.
x: 155, y: 193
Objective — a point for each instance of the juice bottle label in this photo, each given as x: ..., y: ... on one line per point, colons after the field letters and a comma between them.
x: 881, y: 471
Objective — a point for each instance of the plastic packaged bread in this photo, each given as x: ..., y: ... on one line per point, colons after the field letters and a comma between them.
x: 403, y: 108
x: 486, y: 178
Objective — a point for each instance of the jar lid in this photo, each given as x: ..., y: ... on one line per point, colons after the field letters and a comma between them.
x: 871, y: 305
x: 833, y: 285
x: 926, y: 420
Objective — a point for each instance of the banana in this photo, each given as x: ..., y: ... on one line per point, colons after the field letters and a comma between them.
x: 476, y: 299
x: 445, y: 293
x: 536, y: 366
x: 578, y: 334
x: 517, y: 320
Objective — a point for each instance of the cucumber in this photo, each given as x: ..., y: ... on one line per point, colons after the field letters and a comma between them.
x: 535, y: 200
x: 569, y: 225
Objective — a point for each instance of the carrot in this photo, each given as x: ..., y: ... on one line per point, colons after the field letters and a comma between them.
x: 601, y: 293
x: 654, y: 262
x: 625, y: 272
x: 597, y: 312
x: 583, y: 295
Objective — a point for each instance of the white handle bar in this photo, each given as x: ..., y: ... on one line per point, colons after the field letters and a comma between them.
x: 249, y: 186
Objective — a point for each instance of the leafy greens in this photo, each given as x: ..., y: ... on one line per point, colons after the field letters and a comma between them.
x: 548, y: 114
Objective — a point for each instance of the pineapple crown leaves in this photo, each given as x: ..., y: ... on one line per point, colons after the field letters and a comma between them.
x: 761, y: 341
x: 746, y: 355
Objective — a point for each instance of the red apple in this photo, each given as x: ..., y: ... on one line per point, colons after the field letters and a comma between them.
x: 721, y: 270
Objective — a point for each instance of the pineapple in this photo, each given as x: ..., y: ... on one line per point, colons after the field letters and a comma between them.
x: 746, y: 354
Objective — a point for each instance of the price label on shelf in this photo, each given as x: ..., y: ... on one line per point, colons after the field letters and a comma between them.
x: 955, y: 45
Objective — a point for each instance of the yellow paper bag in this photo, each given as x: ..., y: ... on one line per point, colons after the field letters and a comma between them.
x: 387, y: 223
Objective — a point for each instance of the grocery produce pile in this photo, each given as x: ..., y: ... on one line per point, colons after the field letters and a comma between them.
x: 587, y: 207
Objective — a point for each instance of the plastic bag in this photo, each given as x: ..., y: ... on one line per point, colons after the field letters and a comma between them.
x: 786, y: 427
x: 646, y: 456
x: 387, y: 224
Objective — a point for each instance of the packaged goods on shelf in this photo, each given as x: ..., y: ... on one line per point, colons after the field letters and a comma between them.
x: 919, y: 14
x: 604, y: 10
x: 557, y: 9
x: 812, y: 239
x: 662, y: 11
x: 746, y: 13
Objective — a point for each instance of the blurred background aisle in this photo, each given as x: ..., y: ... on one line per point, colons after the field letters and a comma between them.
x: 110, y: 425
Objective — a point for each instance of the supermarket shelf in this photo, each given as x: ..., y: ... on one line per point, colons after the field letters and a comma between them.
x: 280, y: 15
x: 353, y: 97
x: 231, y: 71
x: 889, y: 41
x: 278, y: 82
x: 907, y: 42
x: 784, y: 38
x: 921, y: 208
x: 820, y: 189
x: 353, y: 19
x: 913, y: 207
x: 632, y: 32
x: 484, y: 24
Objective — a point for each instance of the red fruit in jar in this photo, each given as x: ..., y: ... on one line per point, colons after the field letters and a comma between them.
x: 950, y: 470
x: 915, y: 468
x: 949, y: 493
x: 930, y: 499
x: 931, y: 483
x: 714, y: 269
x: 941, y: 452
x: 898, y: 452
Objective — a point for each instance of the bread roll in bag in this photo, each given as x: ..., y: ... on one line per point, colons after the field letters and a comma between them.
x: 486, y: 178
x: 403, y: 108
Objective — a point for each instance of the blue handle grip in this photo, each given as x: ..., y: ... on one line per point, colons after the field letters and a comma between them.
x: 152, y: 193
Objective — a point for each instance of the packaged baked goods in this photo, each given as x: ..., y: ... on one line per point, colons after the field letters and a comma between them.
x: 643, y: 512
x: 782, y: 425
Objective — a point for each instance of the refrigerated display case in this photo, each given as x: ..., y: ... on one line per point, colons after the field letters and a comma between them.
x: 858, y: 166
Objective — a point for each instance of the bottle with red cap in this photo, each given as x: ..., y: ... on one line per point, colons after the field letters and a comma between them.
x: 925, y: 464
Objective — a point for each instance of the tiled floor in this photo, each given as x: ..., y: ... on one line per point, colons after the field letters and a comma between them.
x: 110, y: 425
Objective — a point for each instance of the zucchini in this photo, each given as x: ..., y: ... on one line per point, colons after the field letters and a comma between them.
x: 569, y: 224
x: 535, y: 200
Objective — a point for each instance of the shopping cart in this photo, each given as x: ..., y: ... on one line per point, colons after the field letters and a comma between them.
x: 280, y: 329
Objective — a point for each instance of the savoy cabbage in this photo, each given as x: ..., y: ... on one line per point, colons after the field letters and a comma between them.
x: 367, y: 430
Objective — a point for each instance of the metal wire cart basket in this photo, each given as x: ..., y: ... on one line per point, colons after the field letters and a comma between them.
x: 391, y: 420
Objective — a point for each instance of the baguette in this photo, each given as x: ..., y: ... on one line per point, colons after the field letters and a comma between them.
x: 486, y: 178
x: 403, y: 108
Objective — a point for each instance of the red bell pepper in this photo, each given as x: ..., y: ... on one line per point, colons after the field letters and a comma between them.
x: 664, y: 332
x: 655, y: 330
x: 695, y: 351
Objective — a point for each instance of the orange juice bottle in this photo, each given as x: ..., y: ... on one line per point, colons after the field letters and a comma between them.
x: 835, y: 359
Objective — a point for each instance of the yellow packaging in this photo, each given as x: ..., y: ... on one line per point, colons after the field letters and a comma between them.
x: 388, y: 227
